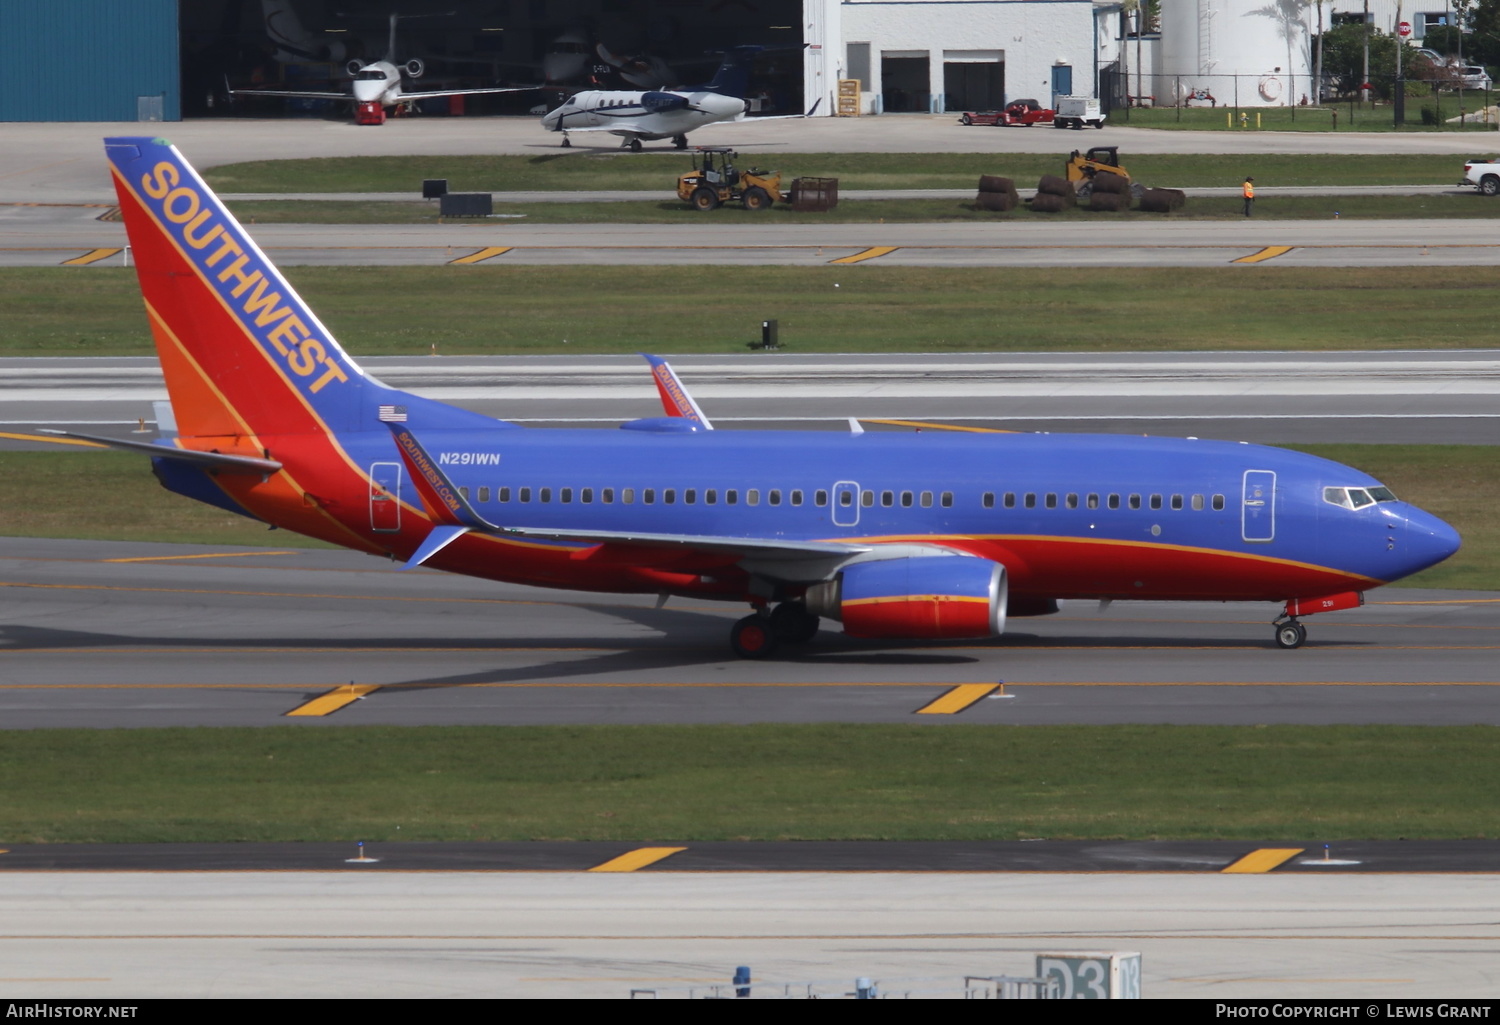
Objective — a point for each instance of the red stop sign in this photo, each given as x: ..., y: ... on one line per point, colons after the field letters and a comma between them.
x: 1403, y: 29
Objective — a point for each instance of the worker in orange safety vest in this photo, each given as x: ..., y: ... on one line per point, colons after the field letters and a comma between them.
x: 1249, y: 194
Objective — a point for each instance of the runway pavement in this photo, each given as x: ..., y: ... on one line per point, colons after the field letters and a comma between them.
x: 112, y: 634
x: 73, y: 235
x: 122, y: 935
x: 1445, y: 396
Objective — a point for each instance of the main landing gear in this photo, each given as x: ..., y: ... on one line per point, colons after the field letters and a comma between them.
x: 679, y: 141
x: 1290, y: 633
x: 759, y: 634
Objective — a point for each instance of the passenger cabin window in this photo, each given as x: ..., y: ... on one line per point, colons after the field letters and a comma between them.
x: 988, y: 500
x: 887, y: 498
x: 525, y: 494
x: 567, y: 494
x: 669, y: 496
x: 586, y: 496
x: 927, y: 500
x: 867, y: 499
x: 1176, y: 501
x: 1218, y: 503
x: 796, y: 498
x: 505, y: 494
x: 1093, y: 501
x: 947, y: 500
x: 546, y: 494
x: 820, y: 498
x: 1051, y: 500
x: 627, y: 496
x: 1010, y: 500
x: 1030, y: 500
x: 731, y: 497
x: 607, y: 495
x: 1198, y: 502
x: 648, y: 495
x: 1134, y: 501
x: 773, y: 497
x: 1072, y: 501
x: 690, y: 496
x: 484, y: 494
x: 711, y: 496
x: 464, y: 492
x: 752, y: 496
x: 1114, y: 501
x: 1156, y: 501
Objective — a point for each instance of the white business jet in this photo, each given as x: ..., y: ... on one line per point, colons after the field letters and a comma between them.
x: 378, y: 85
x: 638, y: 116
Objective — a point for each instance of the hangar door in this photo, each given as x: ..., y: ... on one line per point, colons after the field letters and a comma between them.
x: 973, y: 79
x: 905, y: 82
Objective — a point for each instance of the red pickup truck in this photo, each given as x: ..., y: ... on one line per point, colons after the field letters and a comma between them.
x: 1017, y: 112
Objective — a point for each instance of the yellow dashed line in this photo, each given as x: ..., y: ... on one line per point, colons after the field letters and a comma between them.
x: 206, y: 555
x: 335, y: 699
x: 1264, y: 859
x: 52, y: 439
x: 936, y: 426
x: 93, y: 256
x: 868, y: 254
x: 958, y: 699
x: 1268, y: 253
x: 632, y: 860
x: 484, y: 254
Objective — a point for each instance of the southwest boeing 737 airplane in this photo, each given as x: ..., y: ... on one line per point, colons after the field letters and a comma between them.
x: 925, y: 535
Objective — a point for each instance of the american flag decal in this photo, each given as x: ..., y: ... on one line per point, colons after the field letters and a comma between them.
x: 393, y: 414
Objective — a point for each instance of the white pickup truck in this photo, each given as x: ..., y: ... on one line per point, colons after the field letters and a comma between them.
x: 1483, y: 172
x: 1077, y: 111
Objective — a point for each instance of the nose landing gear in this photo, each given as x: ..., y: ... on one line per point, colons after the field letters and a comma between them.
x: 1290, y: 633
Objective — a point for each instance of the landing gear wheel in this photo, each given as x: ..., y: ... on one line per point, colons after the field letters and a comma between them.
x: 1290, y: 634
x: 566, y: 142
x: 635, y: 145
x: 793, y: 624
x: 679, y: 141
x: 757, y: 198
x: 705, y: 198
x: 753, y: 637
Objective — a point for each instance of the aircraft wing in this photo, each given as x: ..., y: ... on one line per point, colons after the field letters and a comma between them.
x: 296, y: 94
x: 424, y: 94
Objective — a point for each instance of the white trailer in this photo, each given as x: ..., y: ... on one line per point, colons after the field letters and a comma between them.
x: 1077, y: 111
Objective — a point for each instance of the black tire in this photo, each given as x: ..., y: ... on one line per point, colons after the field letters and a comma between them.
x: 1489, y: 185
x: 752, y: 637
x: 793, y: 624
x: 566, y: 142
x: 1290, y: 635
x: 757, y: 199
x: 635, y: 145
x: 705, y: 198
x: 966, y: 120
x: 679, y: 141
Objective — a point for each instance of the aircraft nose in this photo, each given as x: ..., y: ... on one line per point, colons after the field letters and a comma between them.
x: 1429, y: 540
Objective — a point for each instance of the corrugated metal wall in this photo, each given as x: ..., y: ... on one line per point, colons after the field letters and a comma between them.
x: 88, y: 60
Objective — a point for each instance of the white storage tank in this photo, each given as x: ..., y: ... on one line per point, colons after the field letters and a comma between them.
x: 1246, y: 52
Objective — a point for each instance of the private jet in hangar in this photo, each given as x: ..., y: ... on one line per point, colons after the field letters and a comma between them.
x: 644, y: 116
x: 924, y: 535
x: 377, y: 86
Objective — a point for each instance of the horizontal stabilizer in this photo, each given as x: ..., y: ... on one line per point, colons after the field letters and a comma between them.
x: 212, y: 460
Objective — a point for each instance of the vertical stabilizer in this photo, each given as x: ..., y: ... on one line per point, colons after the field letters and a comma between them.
x: 242, y: 353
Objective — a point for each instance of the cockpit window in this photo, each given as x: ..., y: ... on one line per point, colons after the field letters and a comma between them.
x: 1357, y: 498
x: 371, y: 76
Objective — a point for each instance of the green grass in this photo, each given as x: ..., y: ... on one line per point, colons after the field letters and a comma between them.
x: 112, y: 496
x: 768, y: 782
x: 582, y: 170
x: 514, y: 309
x: 55, y: 494
x: 1379, y: 118
x: 894, y: 211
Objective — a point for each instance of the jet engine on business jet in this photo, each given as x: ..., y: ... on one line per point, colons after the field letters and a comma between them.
x: 928, y: 596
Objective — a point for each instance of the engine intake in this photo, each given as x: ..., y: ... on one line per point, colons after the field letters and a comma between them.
x: 937, y: 596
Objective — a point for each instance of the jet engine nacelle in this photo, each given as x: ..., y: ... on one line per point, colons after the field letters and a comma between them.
x: 354, y: 67
x: 414, y: 68
x: 660, y: 103
x: 921, y: 596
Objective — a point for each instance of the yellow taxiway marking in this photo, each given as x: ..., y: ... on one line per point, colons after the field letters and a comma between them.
x: 51, y: 439
x: 936, y: 426
x: 1268, y: 253
x: 205, y: 555
x: 93, y: 256
x: 640, y: 858
x: 488, y: 252
x: 1264, y: 859
x: 335, y: 699
x: 869, y: 254
x: 957, y: 699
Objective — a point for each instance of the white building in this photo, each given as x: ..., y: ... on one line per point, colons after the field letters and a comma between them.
x: 935, y: 55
